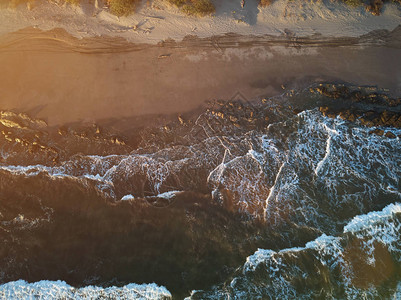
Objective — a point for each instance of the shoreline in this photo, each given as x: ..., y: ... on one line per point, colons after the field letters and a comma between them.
x: 158, y: 61
x: 101, y: 78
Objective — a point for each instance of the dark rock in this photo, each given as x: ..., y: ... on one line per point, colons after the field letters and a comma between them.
x: 390, y: 135
x: 377, y: 131
x: 366, y: 122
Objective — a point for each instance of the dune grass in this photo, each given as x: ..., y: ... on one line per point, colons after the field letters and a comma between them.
x: 354, y: 3
x: 121, y: 7
x: 264, y: 3
x: 198, y: 8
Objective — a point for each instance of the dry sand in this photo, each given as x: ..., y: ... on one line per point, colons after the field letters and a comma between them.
x: 53, y: 76
x: 160, y: 21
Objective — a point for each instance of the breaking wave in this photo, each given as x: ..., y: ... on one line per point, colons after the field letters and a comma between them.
x: 60, y: 290
x: 358, y: 264
x: 188, y: 203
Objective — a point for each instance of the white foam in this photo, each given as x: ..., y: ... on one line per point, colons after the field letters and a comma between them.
x: 268, y: 178
x: 127, y: 197
x: 48, y: 290
x: 340, y: 163
x: 260, y: 256
x: 397, y: 292
x: 276, y: 270
x: 367, y: 221
x: 168, y: 195
x: 328, y: 149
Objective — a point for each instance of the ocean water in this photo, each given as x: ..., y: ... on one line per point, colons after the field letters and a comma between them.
x: 246, y: 200
x: 357, y: 264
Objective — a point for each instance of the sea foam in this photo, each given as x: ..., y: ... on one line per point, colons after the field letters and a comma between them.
x: 324, y: 267
x: 48, y: 290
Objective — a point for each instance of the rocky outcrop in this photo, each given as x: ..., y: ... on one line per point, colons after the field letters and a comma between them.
x: 26, y: 140
x: 369, y: 106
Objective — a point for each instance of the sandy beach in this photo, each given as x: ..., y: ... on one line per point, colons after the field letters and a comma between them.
x: 158, y: 21
x: 98, y: 66
x: 59, y: 78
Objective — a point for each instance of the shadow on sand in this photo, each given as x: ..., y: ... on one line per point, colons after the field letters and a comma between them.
x: 248, y: 14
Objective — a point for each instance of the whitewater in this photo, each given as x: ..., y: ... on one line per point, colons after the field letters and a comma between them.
x: 310, y: 202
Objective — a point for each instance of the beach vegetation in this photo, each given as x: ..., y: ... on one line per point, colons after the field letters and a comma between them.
x: 199, y: 8
x: 264, y: 3
x: 354, y: 3
x: 177, y: 3
x: 121, y: 7
x: 73, y: 2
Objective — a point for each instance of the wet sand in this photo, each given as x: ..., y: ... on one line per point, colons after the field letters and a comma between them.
x: 61, y: 79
